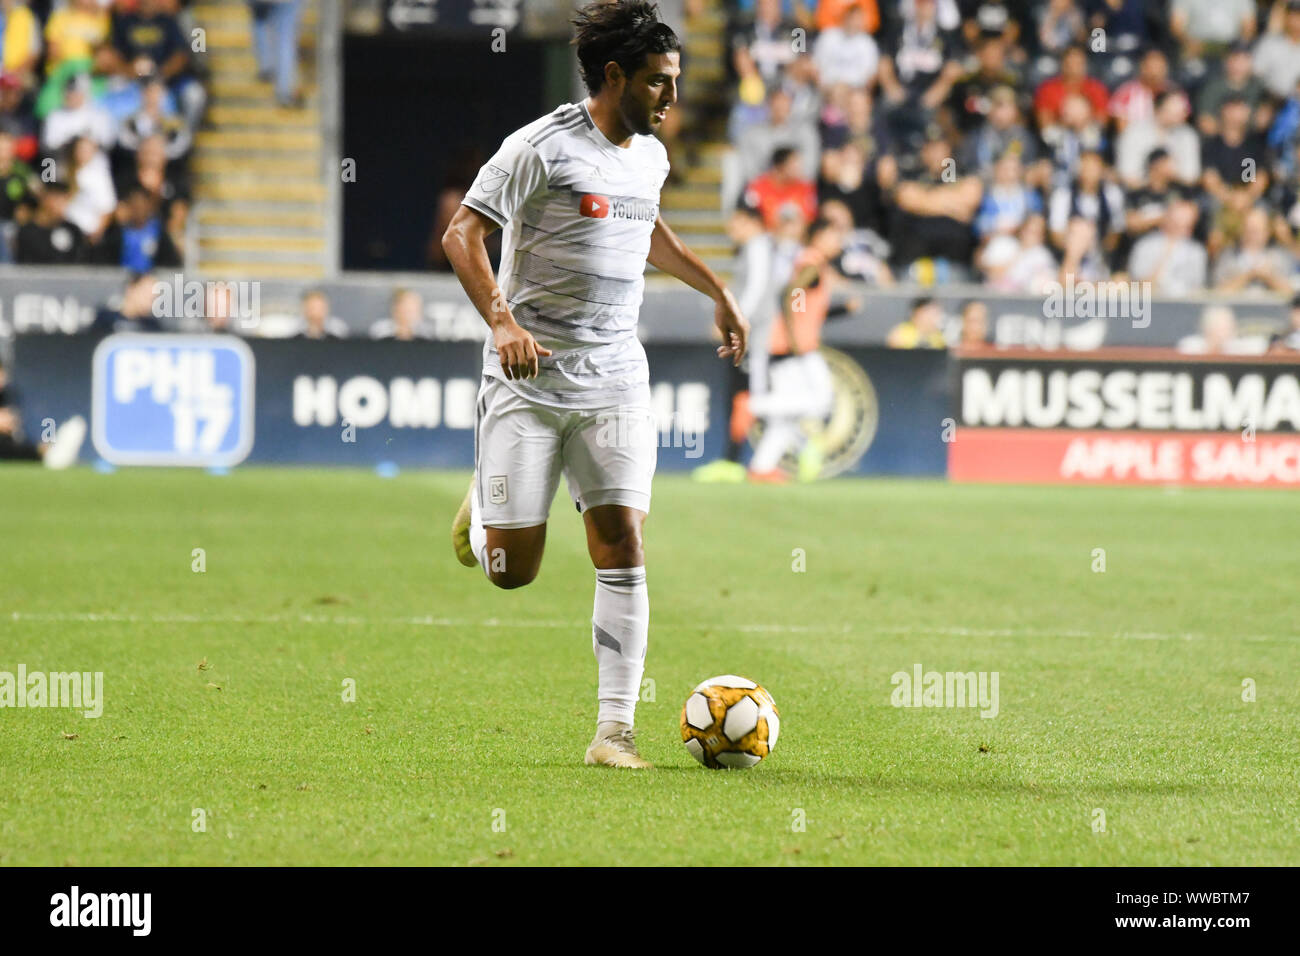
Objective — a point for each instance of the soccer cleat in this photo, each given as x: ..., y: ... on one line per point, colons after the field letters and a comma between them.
x: 460, y: 531
x: 720, y: 472
x: 62, y: 452
x: 811, y: 459
x: 773, y: 477
x: 615, y: 746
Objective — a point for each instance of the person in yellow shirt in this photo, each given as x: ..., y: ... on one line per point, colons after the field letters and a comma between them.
x: 22, y: 39
x: 923, y: 328
x: 75, y: 32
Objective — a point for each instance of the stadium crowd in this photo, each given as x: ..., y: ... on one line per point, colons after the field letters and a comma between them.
x: 99, y: 102
x: 1012, y: 142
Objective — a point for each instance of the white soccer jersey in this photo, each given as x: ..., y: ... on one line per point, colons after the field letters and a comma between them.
x: 577, y: 213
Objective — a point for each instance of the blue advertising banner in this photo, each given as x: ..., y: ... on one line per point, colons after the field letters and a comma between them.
x: 212, y: 400
x: 172, y: 400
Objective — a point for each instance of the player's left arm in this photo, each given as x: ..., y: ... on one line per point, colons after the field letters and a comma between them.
x: 669, y: 254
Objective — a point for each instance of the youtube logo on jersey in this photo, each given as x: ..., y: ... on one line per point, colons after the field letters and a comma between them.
x: 594, y: 206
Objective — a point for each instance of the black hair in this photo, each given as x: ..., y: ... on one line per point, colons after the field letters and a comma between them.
x: 780, y: 155
x: 920, y: 302
x: 624, y: 31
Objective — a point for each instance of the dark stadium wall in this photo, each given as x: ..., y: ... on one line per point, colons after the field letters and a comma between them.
x: 413, y: 110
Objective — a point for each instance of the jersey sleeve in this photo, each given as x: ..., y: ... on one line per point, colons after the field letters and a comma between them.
x: 507, y: 181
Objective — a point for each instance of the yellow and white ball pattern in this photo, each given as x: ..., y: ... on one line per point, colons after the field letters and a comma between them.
x: 730, y: 722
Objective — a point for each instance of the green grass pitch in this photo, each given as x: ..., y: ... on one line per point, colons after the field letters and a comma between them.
x: 1120, y: 691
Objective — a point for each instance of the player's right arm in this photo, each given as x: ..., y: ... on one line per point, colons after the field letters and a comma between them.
x: 501, y: 188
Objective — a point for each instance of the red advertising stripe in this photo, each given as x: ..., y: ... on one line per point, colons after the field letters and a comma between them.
x: 1110, y: 457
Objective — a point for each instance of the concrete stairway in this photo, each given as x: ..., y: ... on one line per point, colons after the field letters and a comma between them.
x: 258, y: 178
x: 692, y: 205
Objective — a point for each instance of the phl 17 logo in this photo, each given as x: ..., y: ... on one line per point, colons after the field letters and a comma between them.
x: 173, y: 400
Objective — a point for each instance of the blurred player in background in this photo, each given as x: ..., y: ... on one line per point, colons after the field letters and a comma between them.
x: 799, y: 380
x: 566, y: 387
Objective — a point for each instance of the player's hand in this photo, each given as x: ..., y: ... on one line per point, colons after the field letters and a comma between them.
x: 518, y: 350
x: 732, y: 327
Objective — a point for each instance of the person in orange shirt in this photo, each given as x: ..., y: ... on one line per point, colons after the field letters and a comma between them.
x: 830, y: 13
x: 798, y: 378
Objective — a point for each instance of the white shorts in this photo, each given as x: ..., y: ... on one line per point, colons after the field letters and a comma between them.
x: 608, y: 456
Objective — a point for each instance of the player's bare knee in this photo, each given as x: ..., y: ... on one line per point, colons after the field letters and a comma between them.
x: 509, y: 580
x: 620, y: 548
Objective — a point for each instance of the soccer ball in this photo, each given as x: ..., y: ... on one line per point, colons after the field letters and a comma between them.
x: 730, y: 722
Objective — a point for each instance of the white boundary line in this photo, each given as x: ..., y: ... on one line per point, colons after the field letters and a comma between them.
x: 110, y: 617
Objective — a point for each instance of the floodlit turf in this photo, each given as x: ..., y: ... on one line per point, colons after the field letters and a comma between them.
x: 1119, y: 692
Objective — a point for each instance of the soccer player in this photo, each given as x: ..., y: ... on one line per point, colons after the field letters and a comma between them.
x: 799, y: 382
x: 565, y: 382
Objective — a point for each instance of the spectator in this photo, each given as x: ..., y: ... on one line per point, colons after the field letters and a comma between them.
x: 972, y: 95
x: 1209, y: 27
x: 1145, y: 206
x: 275, y: 44
x: 48, y: 238
x: 1166, y: 129
x: 920, y: 73
x: 1060, y: 29
x: 1236, y: 80
x: 864, y: 253
x: 93, y: 197
x: 763, y: 49
x: 1219, y: 336
x: 1073, y: 79
x: 1252, y: 264
x: 974, y: 324
x: 922, y: 329
x: 781, y: 129
x: 405, y: 322
x: 17, y: 120
x: 844, y: 179
x: 59, y: 453
x: 133, y: 313
x: 75, y: 33
x: 137, y: 238
x: 1001, y: 133
x: 831, y: 13
x: 783, y: 186
x: 1069, y: 140
x: 1135, y: 100
x: 18, y: 191
x: 1092, y: 198
x: 317, y: 323
x: 20, y: 41
x: 1022, y: 263
x: 156, y: 118
x: 149, y: 41
x: 847, y: 55
x: 1288, y: 340
x: 167, y: 183
x: 78, y: 116
x: 1236, y: 158
x: 1007, y: 201
x: 933, y: 212
x: 1277, y: 55
x: 1169, y: 258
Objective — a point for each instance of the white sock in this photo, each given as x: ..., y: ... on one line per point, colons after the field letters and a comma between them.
x: 778, y: 435
x: 620, y: 627
x: 477, y: 533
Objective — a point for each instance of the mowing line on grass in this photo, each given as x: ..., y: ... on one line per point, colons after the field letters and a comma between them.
x: 112, y: 617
